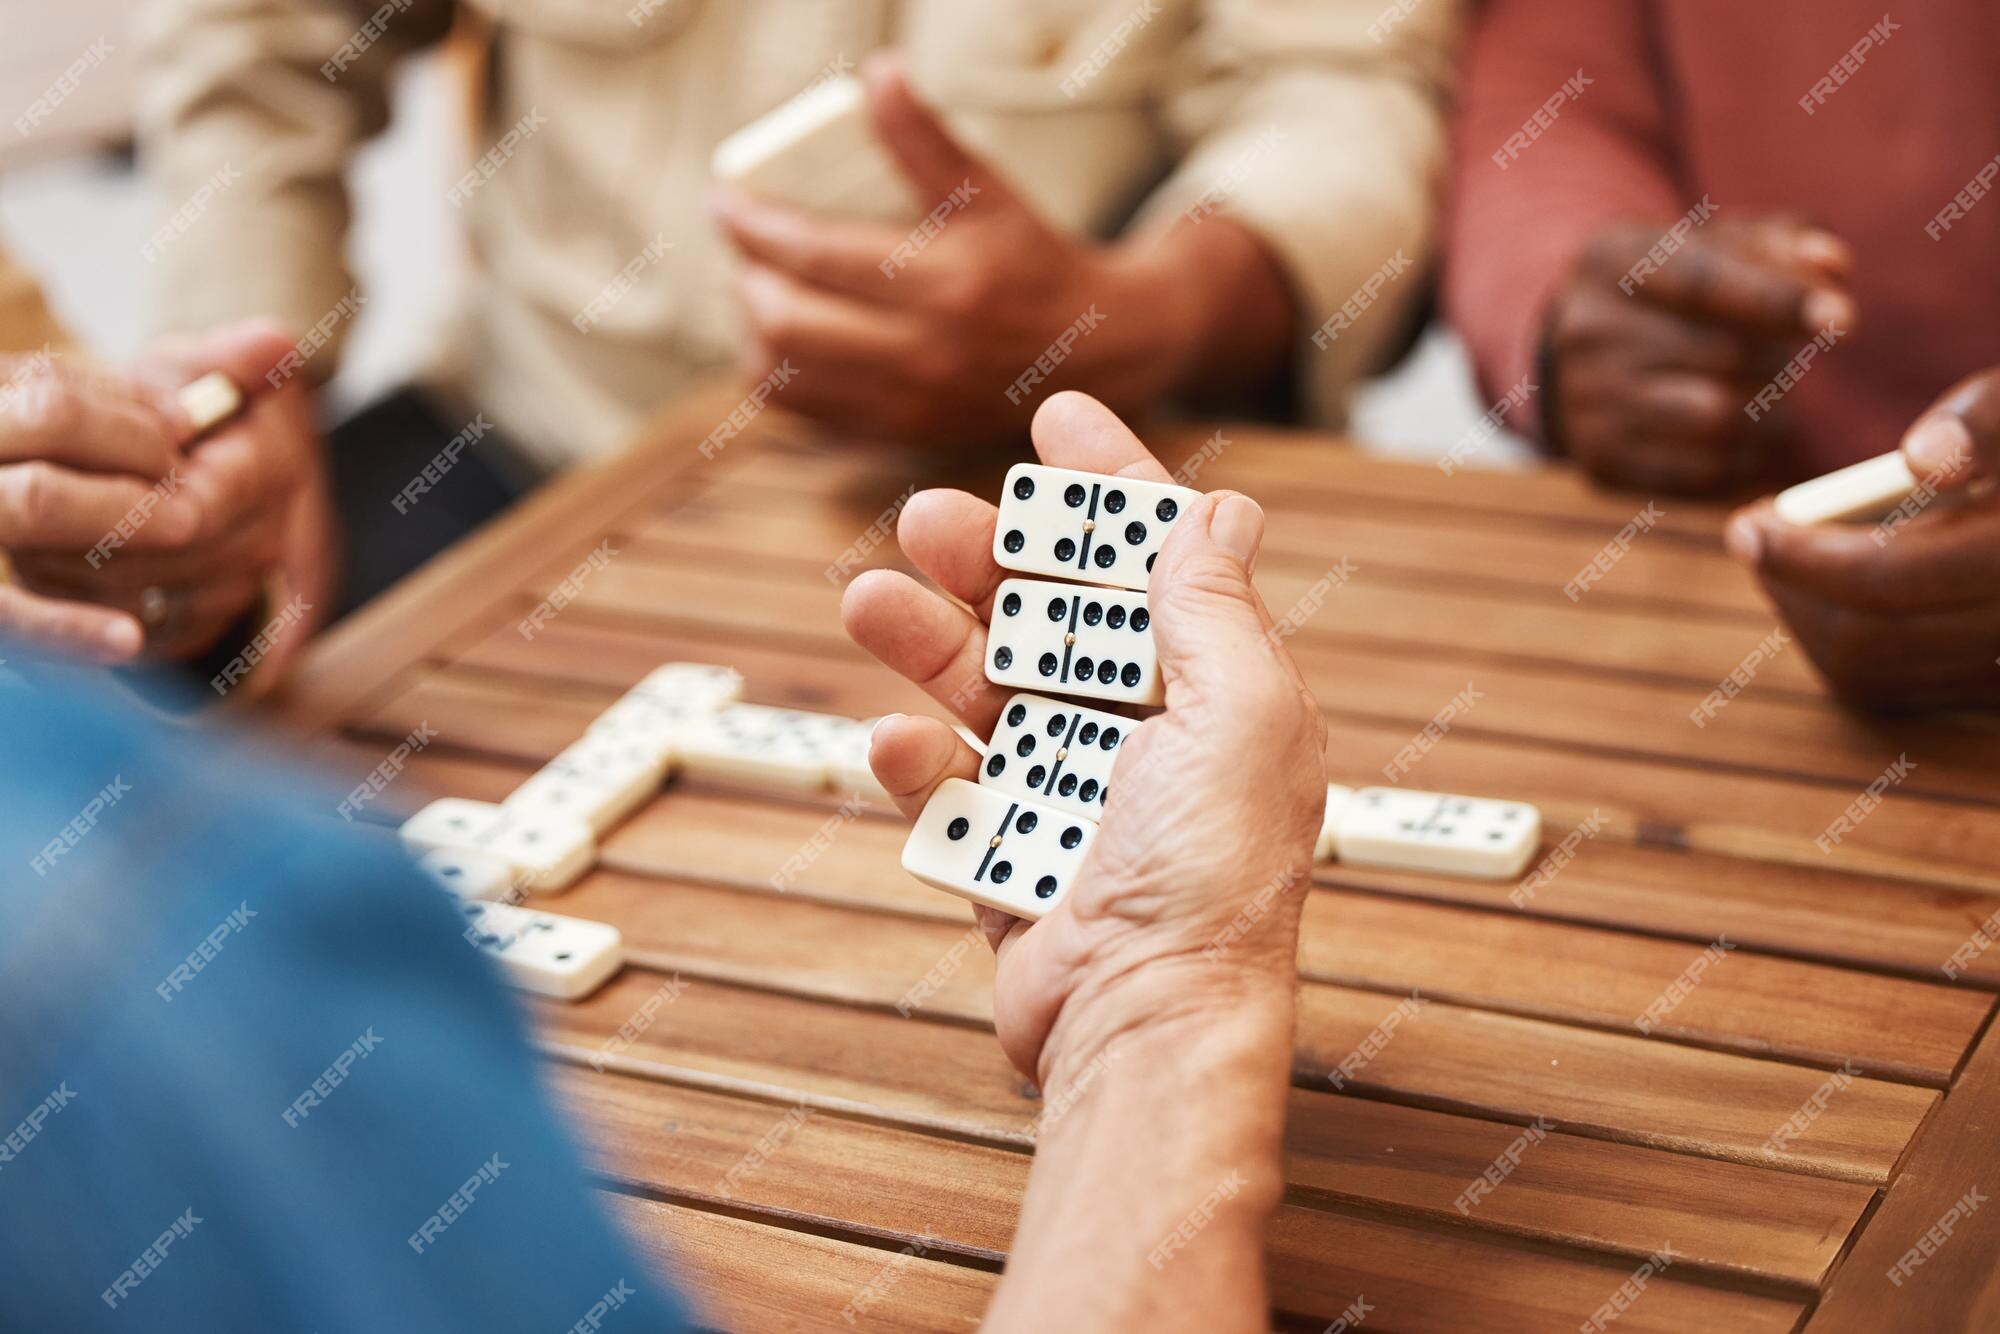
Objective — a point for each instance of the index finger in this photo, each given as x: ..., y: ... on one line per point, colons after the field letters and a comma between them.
x: 87, y: 422
x: 1713, y: 282
x: 852, y: 258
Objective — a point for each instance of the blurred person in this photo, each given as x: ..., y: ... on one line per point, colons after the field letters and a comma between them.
x: 121, y: 534
x: 1709, y: 248
x: 157, y: 1091
x: 1231, y: 196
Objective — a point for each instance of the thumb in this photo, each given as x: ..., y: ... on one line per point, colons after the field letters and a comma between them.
x: 1209, y: 624
x: 1957, y: 441
x: 932, y: 160
x: 247, y: 352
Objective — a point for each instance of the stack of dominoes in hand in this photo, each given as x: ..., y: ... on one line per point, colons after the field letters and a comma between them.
x: 1014, y: 839
x: 543, y: 837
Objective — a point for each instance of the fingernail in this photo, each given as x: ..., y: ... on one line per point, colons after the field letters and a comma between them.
x: 1238, y: 527
x: 123, y: 638
x: 1824, y: 249
x: 1938, y: 444
x: 885, y: 718
x: 1744, y: 539
x: 1829, y: 310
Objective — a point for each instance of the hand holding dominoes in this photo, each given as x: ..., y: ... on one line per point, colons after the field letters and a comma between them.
x: 1198, y: 855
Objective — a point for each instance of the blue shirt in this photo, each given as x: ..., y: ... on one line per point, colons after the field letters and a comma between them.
x: 252, y: 1077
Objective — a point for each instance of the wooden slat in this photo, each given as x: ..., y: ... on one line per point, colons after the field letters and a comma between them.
x: 742, y: 1274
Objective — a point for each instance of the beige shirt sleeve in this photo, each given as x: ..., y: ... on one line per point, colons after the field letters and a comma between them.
x: 1322, y: 127
x: 249, y: 114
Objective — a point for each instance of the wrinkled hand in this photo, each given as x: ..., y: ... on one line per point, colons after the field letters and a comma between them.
x: 1215, y: 802
x: 1653, y: 365
x: 1904, y: 614
x: 247, y: 499
x: 928, y: 338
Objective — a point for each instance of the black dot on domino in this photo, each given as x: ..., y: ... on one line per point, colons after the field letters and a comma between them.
x: 1048, y: 664
x: 1045, y: 887
x: 1105, y: 557
x: 1115, y: 618
x: 1166, y: 510
x: 1149, y: 561
x: 1058, y: 608
x: 1025, y: 487
x: 1075, y: 495
x: 996, y: 765
x: 1025, y: 747
x: 1003, y: 657
x: 1088, y: 792
x: 1086, y: 734
x: 1114, y: 502
x: 1131, y: 674
x: 1017, y: 715
x: 1107, y: 672
x: 1065, y: 549
x: 1011, y: 605
x: 1135, y: 533
x: 1068, y: 785
x: 1001, y: 871
x: 1026, y: 824
x: 1056, y: 724
x: 957, y: 829
x: 1110, y: 739
x: 1141, y: 618
x: 1016, y: 539
x: 1072, y: 836
x: 1083, y: 668
x: 1093, y: 612
x: 1037, y: 776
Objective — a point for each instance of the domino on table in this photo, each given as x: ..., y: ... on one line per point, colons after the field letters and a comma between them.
x: 782, y: 747
x: 599, y: 780
x: 470, y: 875
x: 818, y: 152
x: 564, y: 957
x: 541, y: 851
x: 658, y: 709
x: 1093, y: 642
x: 848, y: 768
x: 1054, y: 753
x: 995, y: 848
x: 209, y: 401
x: 1435, y: 831
x: 1084, y: 525
x: 1873, y: 486
x: 1337, y: 798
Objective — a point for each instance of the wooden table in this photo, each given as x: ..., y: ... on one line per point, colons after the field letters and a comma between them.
x: 1787, y: 1133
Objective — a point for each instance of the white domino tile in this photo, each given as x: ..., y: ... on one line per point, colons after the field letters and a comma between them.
x: 1055, y: 753
x: 997, y: 849
x: 1084, y: 526
x: 1337, y: 798
x: 470, y: 875
x: 543, y: 852
x: 849, y: 770
x: 1067, y: 639
x: 787, y: 748
x: 1437, y: 831
x: 563, y: 957
x: 1870, y: 487
x: 819, y: 152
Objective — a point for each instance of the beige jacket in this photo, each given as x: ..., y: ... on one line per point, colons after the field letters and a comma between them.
x: 1317, y: 122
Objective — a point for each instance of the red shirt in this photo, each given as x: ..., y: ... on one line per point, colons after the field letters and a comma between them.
x: 1877, y: 126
